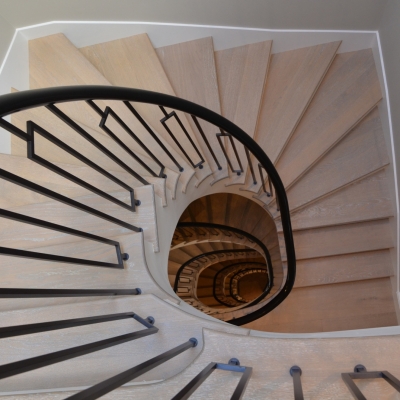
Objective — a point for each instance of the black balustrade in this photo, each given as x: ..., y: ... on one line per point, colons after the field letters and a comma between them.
x: 116, y: 381
x: 232, y: 366
x: 360, y: 372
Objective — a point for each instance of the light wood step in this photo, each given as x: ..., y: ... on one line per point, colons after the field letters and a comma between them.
x: 50, y: 275
x: 343, y: 239
x: 341, y: 306
x: 349, y: 91
x: 241, y: 73
x: 91, y: 368
x: 133, y: 62
x: 52, y: 153
x: 366, y: 199
x: 360, y: 153
x: 190, y: 68
x: 36, y: 173
x: 54, y: 61
x: 293, y: 79
x: 343, y: 268
x: 323, y: 380
x: 17, y: 234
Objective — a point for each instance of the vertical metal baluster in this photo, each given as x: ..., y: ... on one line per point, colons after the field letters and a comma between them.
x: 77, y: 128
x: 296, y: 372
x: 253, y: 175
x: 200, y: 129
x: 164, y: 124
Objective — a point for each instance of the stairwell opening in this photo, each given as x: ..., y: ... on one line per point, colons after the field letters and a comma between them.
x: 225, y: 256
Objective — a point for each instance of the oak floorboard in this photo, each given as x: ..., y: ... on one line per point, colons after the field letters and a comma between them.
x: 293, y: 79
x: 241, y: 73
x: 133, y: 62
x: 190, y: 68
x: 348, y: 92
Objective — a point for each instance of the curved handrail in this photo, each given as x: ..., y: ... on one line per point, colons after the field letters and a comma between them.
x: 14, y: 102
x: 249, y: 304
x: 245, y: 234
x: 244, y: 272
x: 210, y: 253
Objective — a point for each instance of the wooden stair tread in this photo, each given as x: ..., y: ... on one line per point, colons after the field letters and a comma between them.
x: 90, y: 369
x: 56, y: 53
x: 62, y: 214
x: 348, y: 92
x: 293, y: 79
x: 370, y: 299
x: 365, y: 199
x: 343, y: 239
x: 241, y: 73
x: 133, y: 62
x: 359, y: 153
x: 190, y: 68
x: 343, y: 268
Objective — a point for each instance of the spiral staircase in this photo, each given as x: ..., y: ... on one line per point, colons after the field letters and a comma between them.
x: 103, y: 199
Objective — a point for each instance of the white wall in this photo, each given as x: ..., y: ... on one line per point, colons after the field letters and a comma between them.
x: 273, y: 14
x: 389, y: 32
x: 6, y: 34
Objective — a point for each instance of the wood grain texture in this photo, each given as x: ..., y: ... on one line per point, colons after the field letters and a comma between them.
x: 16, y: 234
x: 190, y: 68
x: 343, y: 239
x: 222, y: 208
x: 37, y: 274
x: 54, y: 61
x: 343, y: 268
x: 91, y: 368
x: 133, y: 62
x: 348, y: 92
x: 321, y: 360
x: 241, y: 75
x: 359, y: 299
x: 360, y: 153
x: 366, y: 199
x: 293, y: 78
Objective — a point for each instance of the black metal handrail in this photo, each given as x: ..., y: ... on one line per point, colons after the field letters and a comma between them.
x: 30, y: 364
x: 49, y: 97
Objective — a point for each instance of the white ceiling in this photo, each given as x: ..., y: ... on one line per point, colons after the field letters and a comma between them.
x: 273, y: 14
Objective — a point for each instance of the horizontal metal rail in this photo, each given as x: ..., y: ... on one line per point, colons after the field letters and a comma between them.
x: 27, y: 329
x: 360, y: 372
x: 33, y: 128
x: 8, y: 176
x: 6, y: 251
x: 30, y: 364
x: 77, y: 128
x: 116, y: 381
x: 104, y: 115
x: 191, y: 387
x: 60, y: 228
x: 21, y: 293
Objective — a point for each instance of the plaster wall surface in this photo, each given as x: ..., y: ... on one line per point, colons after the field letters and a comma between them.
x: 389, y: 32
